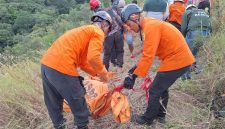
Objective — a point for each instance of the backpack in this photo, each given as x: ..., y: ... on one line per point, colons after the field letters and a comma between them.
x: 198, y: 19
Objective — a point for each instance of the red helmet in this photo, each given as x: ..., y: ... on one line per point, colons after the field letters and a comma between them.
x: 94, y: 4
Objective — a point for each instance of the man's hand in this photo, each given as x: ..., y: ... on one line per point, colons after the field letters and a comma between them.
x: 105, y: 76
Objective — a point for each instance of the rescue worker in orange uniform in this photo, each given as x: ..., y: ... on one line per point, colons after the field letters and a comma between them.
x: 78, y: 48
x: 176, y: 11
x: 162, y: 40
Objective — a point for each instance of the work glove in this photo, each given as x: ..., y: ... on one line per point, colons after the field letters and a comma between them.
x: 105, y: 76
x: 129, y: 81
x: 131, y: 71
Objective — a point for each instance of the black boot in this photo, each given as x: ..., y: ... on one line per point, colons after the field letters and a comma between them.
x: 140, y: 120
x: 161, y: 120
x: 83, y: 127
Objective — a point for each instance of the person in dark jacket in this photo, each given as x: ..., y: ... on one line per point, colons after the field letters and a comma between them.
x: 196, y: 26
x: 113, y: 44
x: 204, y: 5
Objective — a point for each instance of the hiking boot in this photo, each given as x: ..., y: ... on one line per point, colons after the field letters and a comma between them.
x: 185, y: 77
x: 196, y: 70
x: 83, y: 127
x: 140, y: 120
x: 161, y: 120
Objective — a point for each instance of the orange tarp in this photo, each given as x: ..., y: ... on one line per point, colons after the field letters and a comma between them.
x: 100, y: 100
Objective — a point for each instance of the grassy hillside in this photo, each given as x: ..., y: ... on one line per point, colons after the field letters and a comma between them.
x: 21, y: 97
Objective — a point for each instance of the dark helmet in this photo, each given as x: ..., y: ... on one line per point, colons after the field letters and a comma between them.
x: 129, y: 10
x: 100, y: 16
x: 118, y: 3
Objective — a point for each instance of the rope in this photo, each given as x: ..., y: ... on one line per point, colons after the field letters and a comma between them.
x: 146, y: 85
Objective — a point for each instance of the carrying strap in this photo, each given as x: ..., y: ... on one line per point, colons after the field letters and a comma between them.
x: 146, y: 86
x: 107, y: 99
x: 189, y: 17
x: 118, y: 88
x: 118, y: 19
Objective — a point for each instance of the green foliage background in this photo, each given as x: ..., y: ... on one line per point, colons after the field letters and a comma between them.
x: 27, y: 27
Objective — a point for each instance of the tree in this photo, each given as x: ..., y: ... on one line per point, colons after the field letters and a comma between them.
x: 62, y: 6
x: 81, y: 1
x: 24, y: 22
x: 6, y: 35
x: 5, y: 15
x: 43, y: 19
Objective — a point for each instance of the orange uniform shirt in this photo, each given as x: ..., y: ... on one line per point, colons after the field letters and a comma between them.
x: 165, y: 41
x: 78, y: 48
x: 176, y: 11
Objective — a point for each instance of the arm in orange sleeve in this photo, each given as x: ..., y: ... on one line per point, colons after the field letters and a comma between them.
x: 152, y: 39
x: 94, y: 51
x: 88, y: 69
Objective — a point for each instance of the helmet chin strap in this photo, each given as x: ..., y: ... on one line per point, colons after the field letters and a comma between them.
x: 100, y: 25
x: 139, y: 27
x: 102, y: 28
x: 140, y: 34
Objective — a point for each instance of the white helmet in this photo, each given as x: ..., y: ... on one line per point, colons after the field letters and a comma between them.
x: 190, y: 6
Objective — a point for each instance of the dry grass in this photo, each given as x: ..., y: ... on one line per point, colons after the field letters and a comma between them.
x: 21, y: 97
